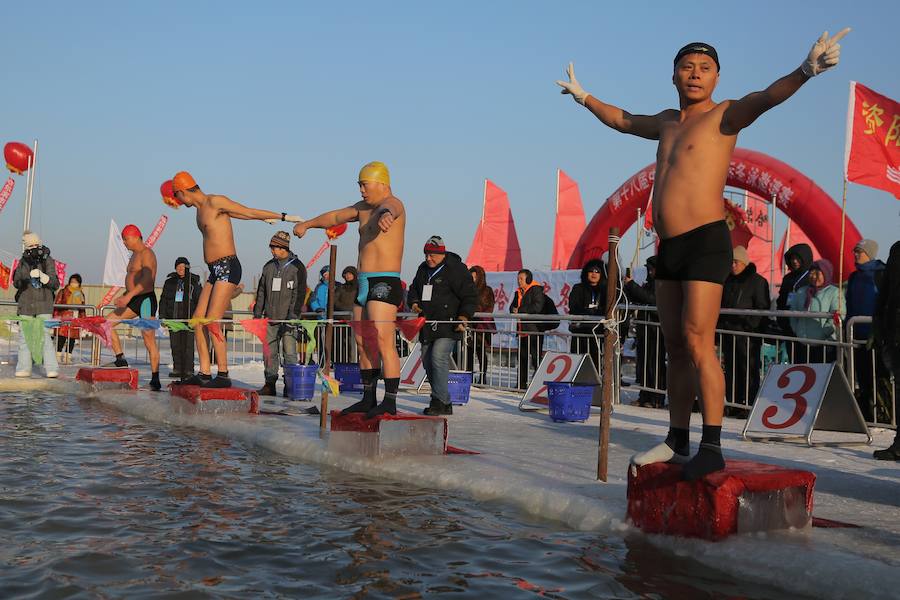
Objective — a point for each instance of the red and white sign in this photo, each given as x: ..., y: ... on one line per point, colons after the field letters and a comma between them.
x: 412, y: 374
x: 6, y: 192
x: 872, y: 150
x: 796, y: 399
x: 560, y: 366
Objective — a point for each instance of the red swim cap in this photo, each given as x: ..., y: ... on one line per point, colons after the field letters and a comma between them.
x: 131, y: 231
x: 168, y: 194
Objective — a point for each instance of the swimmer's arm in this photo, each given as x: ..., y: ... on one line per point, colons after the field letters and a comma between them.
x: 391, y: 210
x: 236, y: 210
x: 333, y: 217
x: 741, y: 113
x: 645, y: 126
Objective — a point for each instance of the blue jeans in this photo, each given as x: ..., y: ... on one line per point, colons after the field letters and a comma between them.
x: 282, y: 348
x: 436, y: 360
x: 23, y: 361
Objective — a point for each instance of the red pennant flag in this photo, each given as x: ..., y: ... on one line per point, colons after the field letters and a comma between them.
x: 4, y: 276
x: 215, y: 331
x: 366, y: 330
x: 409, y: 328
x: 872, y: 150
x: 98, y: 325
x: 259, y: 328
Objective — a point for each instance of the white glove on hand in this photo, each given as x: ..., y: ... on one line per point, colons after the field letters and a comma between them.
x: 287, y: 219
x: 572, y: 86
x: 825, y: 54
x: 45, y: 279
x: 35, y: 273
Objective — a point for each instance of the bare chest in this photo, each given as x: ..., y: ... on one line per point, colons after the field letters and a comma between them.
x: 696, y: 139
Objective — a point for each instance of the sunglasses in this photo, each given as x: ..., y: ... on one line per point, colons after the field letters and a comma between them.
x: 594, y: 271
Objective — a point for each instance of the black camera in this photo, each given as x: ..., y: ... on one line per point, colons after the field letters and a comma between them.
x: 35, y: 257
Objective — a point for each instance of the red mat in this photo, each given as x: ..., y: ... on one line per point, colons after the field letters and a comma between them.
x: 108, y: 375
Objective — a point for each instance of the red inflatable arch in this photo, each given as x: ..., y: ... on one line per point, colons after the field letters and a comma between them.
x: 797, y: 196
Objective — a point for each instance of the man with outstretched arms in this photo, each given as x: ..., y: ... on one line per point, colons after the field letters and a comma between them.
x: 695, y: 146
x: 382, y: 222
x: 138, y: 300
x: 214, y: 214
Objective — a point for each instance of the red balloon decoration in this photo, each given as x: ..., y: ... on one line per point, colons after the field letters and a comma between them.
x: 336, y: 231
x: 167, y: 190
x: 17, y: 156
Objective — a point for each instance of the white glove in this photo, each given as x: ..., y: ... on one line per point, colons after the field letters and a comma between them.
x: 35, y: 273
x: 45, y: 279
x: 572, y: 86
x: 285, y: 218
x: 824, y: 54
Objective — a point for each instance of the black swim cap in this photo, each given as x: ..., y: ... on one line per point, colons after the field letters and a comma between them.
x: 698, y: 48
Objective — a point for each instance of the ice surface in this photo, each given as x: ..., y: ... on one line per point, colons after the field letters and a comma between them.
x: 208, y: 407
x: 550, y: 472
x: 777, y: 509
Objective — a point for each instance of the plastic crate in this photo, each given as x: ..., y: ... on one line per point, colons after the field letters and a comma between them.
x: 349, y: 377
x: 570, y: 401
x: 459, y: 383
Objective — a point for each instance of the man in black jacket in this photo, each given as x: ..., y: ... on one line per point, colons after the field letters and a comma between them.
x: 650, y: 346
x: 279, y: 297
x: 441, y: 291
x: 588, y: 298
x: 748, y: 290
x: 178, y: 300
x: 528, y: 300
x: 799, y: 259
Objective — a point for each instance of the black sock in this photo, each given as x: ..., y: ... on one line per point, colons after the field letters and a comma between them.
x: 120, y: 360
x: 120, y: 355
x: 712, y: 434
x: 154, y: 381
x: 709, y: 457
x: 369, y: 379
x: 389, y: 403
x: 678, y: 440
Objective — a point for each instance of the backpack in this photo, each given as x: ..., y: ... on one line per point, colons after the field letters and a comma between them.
x: 549, y: 308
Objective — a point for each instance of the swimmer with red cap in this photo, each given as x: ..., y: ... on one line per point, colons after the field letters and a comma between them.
x: 695, y: 145
x: 138, y: 300
x: 214, y: 214
x: 382, y: 222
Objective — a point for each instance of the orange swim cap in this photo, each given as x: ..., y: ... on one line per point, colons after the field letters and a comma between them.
x: 182, y: 181
x: 131, y: 231
x: 375, y: 171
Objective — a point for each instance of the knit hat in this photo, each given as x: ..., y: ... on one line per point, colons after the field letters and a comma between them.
x: 281, y: 239
x: 323, y: 271
x: 181, y: 260
x: 870, y: 247
x: 31, y: 240
x: 740, y: 255
x: 435, y: 245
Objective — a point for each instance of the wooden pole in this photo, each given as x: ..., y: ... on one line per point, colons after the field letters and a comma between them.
x: 609, y: 347
x: 329, y: 336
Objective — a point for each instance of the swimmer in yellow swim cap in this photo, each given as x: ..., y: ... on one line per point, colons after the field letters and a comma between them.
x: 382, y: 222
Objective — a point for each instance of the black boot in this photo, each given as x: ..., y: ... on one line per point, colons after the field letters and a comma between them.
x: 388, y: 406
x: 286, y: 392
x: 155, y: 385
x: 439, y: 409
x: 197, y: 379
x: 369, y: 379
x: 890, y: 453
x: 269, y: 388
x: 432, y: 406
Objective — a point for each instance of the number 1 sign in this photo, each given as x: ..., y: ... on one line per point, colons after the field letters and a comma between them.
x: 794, y: 400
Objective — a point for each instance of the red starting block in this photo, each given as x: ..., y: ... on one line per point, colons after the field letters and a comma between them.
x: 101, y: 378
x: 387, y: 435
x: 747, y: 496
x: 198, y: 399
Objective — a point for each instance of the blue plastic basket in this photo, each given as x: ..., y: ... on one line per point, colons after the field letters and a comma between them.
x: 348, y: 375
x: 570, y: 401
x: 459, y: 383
x: 300, y: 381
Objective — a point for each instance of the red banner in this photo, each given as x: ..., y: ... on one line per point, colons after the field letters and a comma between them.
x: 61, y: 273
x: 5, y: 273
x: 6, y: 192
x: 872, y: 151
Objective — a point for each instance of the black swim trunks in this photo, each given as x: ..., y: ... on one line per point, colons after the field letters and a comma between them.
x: 380, y: 288
x: 143, y: 305
x: 227, y: 268
x: 701, y: 254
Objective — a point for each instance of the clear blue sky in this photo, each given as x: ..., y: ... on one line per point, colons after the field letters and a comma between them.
x: 278, y: 105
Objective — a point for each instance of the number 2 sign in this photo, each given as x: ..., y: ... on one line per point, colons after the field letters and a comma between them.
x: 559, y: 366
x: 796, y: 399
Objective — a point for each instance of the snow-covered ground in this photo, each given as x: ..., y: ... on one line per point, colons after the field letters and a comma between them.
x: 549, y: 469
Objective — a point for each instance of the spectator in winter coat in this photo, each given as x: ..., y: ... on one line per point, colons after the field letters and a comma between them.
x: 344, y: 295
x: 886, y: 336
x: 67, y: 335
x: 588, y: 298
x: 650, y: 345
x: 36, y: 282
x: 481, y: 329
x: 819, y: 296
x: 319, y: 300
x: 279, y: 297
x: 744, y: 289
x: 442, y: 291
x: 862, y: 294
x: 178, y: 300
x: 528, y: 300
x: 799, y: 259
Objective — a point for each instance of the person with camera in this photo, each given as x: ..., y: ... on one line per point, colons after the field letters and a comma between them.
x: 36, y: 284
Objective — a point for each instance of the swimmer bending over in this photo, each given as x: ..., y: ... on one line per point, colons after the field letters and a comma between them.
x: 382, y: 222
x: 695, y: 253
x: 214, y: 214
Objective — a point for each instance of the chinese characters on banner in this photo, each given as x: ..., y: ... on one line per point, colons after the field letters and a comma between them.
x: 6, y: 192
x: 872, y: 151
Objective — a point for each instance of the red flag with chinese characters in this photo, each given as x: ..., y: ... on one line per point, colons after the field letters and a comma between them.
x: 872, y: 151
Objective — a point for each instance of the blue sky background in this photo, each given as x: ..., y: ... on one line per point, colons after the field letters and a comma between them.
x: 278, y: 105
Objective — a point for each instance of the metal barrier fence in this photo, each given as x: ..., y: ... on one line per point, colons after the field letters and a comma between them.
x: 82, y: 347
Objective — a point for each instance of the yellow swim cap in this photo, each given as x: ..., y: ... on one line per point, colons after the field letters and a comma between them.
x: 375, y: 171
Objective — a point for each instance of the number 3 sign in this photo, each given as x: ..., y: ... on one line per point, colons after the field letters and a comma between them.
x: 794, y: 400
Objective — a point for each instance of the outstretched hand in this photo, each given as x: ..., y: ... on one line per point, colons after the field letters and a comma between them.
x: 287, y: 219
x: 300, y: 229
x: 572, y: 86
x: 825, y: 54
